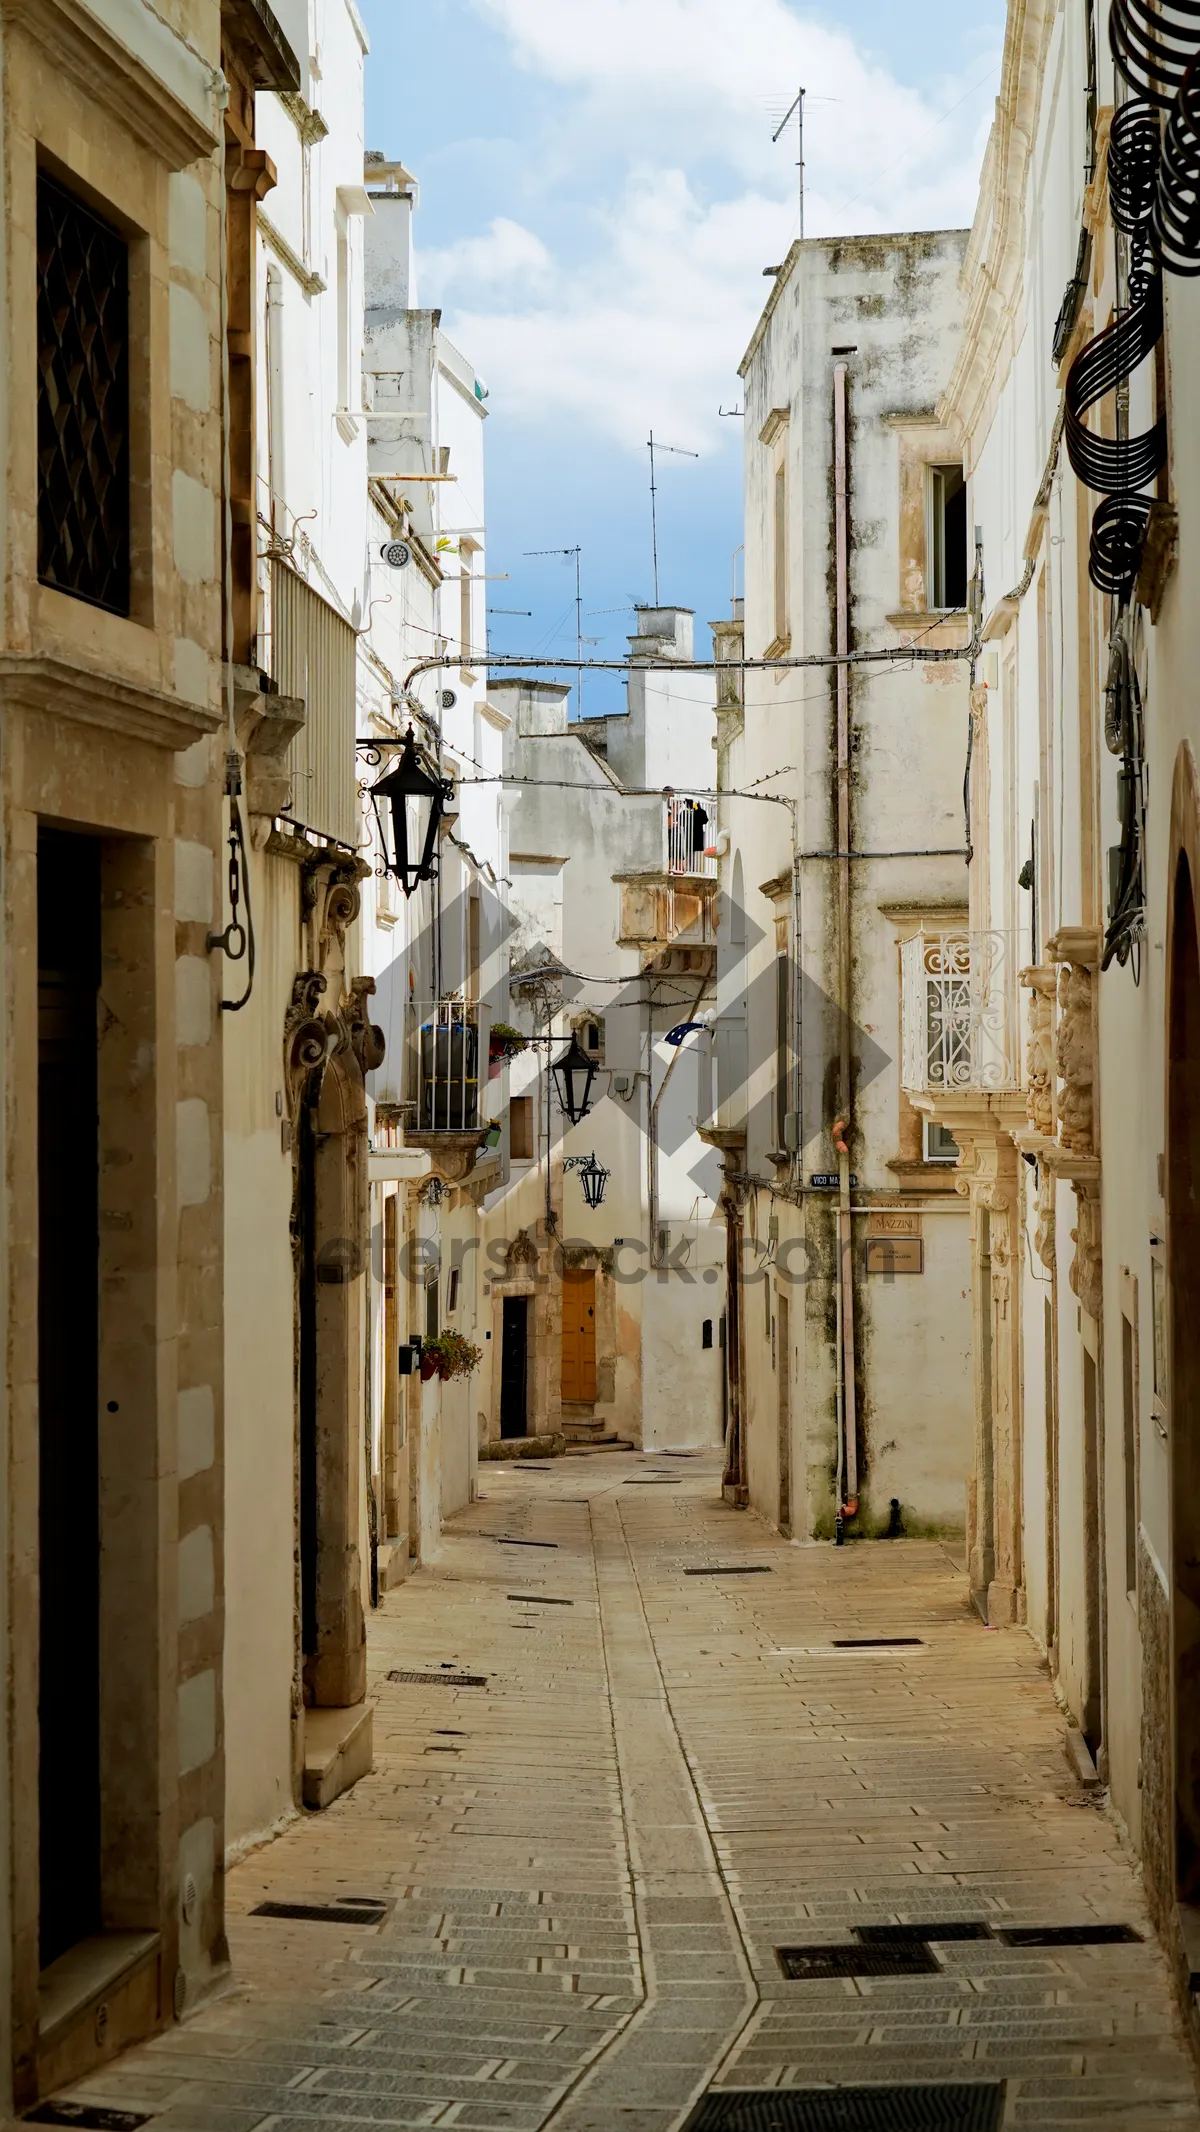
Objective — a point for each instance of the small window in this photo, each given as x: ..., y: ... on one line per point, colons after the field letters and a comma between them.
x: 452, y: 1291
x: 520, y: 1129
x: 590, y: 1031
x: 706, y: 1333
x: 946, y: 545
x: 83, y: 505
x: 940, y: 1143
x: 431, y: 1309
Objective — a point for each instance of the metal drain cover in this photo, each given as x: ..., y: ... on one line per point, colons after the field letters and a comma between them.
x: 536, y: 1599
x: 442, y: 1680
x: 963, y: 2107
x: 350, y: 1910
x: 1069, y: 1936
x: 875, y: 1643
x: 508, y: 1539
x: 86, y: 2114
x: 907, y: 1959
x: 905, y: 1935
x: 733, y: 1569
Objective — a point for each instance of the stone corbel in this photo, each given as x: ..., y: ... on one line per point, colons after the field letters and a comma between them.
x: 1040, y: 980
x: 306, y: 1038
x: 266, y: 726
x: 1077, y: 950
x: 367, y: 1040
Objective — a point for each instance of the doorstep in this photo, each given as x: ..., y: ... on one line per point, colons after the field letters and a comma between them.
x: 99, y: 1996
x: 338, y: 1750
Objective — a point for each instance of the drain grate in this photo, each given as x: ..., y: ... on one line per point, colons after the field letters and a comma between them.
x: 733, y: 1569
x: 1069, y: 1936
x: 348, y: 1910
x: 508, y: 1539
x: 808, y: 1964
x: 536, y: 1599
x: 85, y: 2114
x: 974, y: 2106
x: 907, y: 1935
x: 442, y: 1680
x: 875, y: 1643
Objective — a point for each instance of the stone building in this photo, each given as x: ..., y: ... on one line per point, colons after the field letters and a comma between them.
x: 112, y: 741
x: 1077, y: 1113
x: 847, y: 1319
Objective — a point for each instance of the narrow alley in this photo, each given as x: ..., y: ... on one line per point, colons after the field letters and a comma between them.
x: 629, y: 1745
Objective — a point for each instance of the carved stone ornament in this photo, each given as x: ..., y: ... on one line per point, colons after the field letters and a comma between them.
x: 1043, y: 1235
x: 1076, y: 1058
x: 1087, y: 1267
x: 367, y: 1039
x: 1039, y: 1051
x: 521, y: 1256
x: 305, y: 1035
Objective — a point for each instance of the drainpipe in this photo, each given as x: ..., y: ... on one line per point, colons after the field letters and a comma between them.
x: 847, y: 1504
x: 276, y: 429
x: 734, y: 1477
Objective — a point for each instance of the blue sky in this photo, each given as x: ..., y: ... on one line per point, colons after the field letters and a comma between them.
x: 599, y: 197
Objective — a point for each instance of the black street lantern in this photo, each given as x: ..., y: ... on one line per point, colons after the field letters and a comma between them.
x: 593, y: 1177
x: 575, y: 1073
x: 408, y: 805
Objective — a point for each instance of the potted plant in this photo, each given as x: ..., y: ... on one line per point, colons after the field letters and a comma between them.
x: 450, y: 1355
x: 504, y: 1042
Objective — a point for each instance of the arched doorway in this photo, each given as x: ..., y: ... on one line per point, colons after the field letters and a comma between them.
x: 1183, y: 1259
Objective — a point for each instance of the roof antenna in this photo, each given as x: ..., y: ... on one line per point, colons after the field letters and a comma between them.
x: 796, y: 105
x: 681, y: 452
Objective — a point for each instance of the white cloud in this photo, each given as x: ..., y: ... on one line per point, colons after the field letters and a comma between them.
x: 634, y: 309
x: 506, y: 257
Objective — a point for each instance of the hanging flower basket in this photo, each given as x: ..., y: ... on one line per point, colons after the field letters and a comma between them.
x: 449, y: 1356
x: 505, y: 1042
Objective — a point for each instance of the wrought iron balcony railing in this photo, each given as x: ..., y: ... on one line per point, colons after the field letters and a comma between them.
x: 446, y: 1065
x: 960, y: 1021
x: 688, y: 825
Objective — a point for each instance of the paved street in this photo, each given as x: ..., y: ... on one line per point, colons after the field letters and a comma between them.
x: 590, y: 1861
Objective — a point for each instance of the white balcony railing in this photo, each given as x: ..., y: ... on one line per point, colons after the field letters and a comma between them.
x: 688, y: 825
x: 446, y: 1065
x: 960, y: 1023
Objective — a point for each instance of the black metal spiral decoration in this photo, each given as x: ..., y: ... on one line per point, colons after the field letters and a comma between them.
x: 1116, y: 467
x: 1154, y: 43
x: 1176, y: 213
x: 1133, y: 160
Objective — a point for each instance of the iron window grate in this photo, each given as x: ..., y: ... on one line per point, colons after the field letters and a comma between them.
x: 348, y: 1910
x: 908, y: 1935
x: 1069, y: 1936
x: 441, y: 1680
x: 733, y: 1569
x: 83, y: 400
x: 967, y: 2106
x: 809, y: 1964
x: 92, y: 2117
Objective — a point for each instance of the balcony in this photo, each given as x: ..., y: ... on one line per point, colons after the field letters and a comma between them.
x: 960, y: 1021
x: 688, y: 826
x: 445, y: 1076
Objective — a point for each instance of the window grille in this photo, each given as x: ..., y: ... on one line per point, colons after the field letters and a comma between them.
x: 83, y: 400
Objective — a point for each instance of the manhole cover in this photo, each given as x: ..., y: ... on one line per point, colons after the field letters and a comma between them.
x: 732, y: 1569
x: 536, y: 1599
x: 350, y: 1910
x: 905, y: 1935
x: 807, y: 1964
x: 966, y: 2107
x: 1068, y: 1935
x: 442, y: 1680
x: 85, y: 2114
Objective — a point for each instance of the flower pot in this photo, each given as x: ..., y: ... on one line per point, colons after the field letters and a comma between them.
x: 429, y: 1368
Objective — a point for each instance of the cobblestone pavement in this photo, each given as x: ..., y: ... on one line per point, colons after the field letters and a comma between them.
x: 591, y: 1860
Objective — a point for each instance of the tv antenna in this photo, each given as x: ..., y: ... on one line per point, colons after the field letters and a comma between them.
x: 579, y: 636
x: 680, y: 452
x: 796, y: 105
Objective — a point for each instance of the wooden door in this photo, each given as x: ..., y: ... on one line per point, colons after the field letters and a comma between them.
x: 514, y: 1366
x: 579, y: 1335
